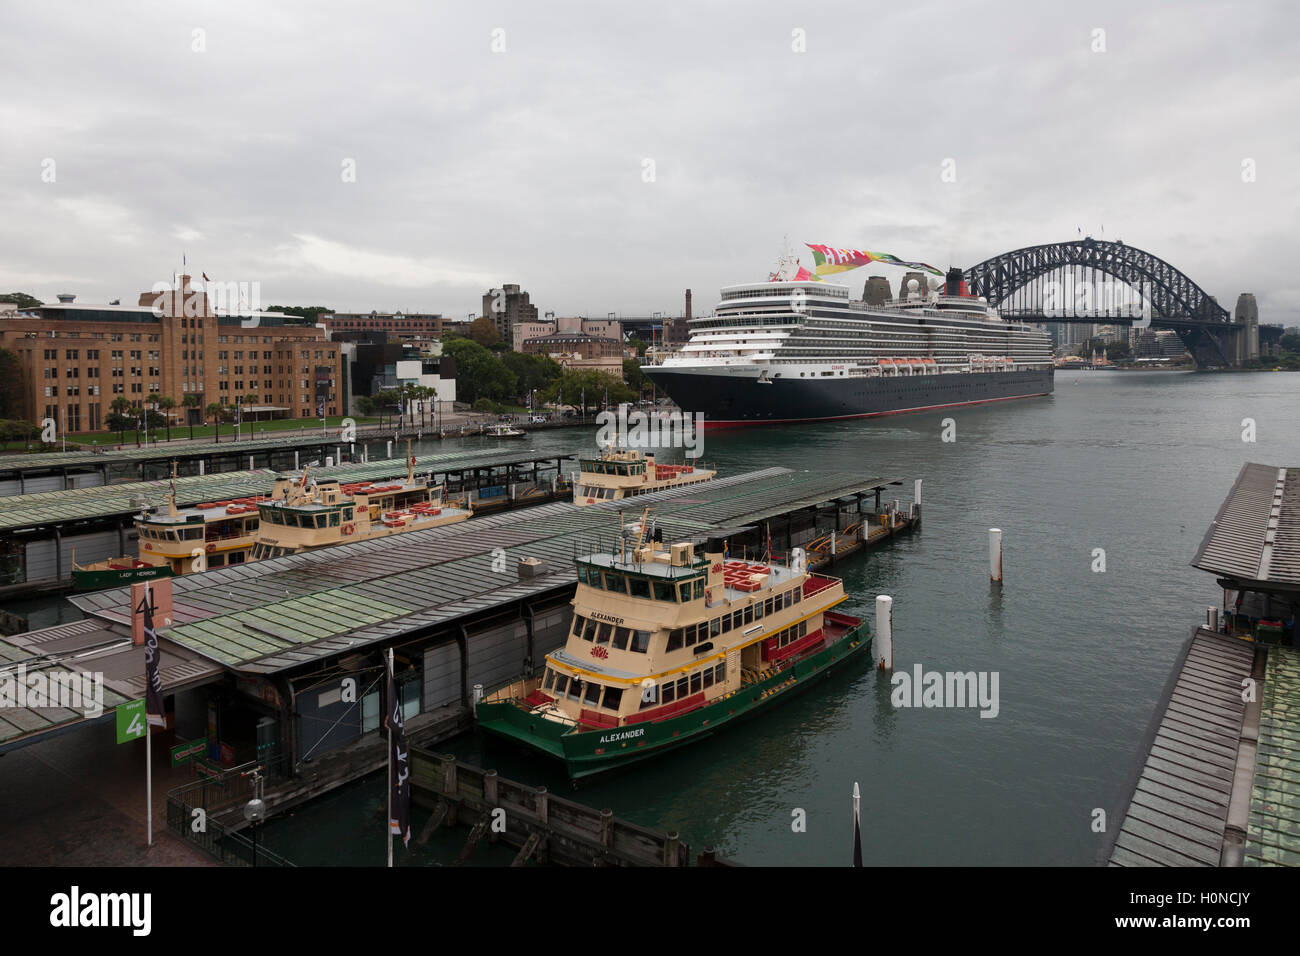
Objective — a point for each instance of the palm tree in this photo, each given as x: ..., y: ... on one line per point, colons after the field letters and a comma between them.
x: 120, y: 406
x: 190, y: 402
x: 215, y: 410
x: 165, y: 404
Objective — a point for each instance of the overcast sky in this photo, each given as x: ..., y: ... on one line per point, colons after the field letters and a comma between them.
x: 475, y: 167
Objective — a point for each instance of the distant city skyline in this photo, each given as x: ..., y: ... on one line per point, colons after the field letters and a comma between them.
x: 608, y: 161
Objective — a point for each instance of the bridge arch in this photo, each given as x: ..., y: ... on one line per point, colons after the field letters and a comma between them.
x: 1173, y: 297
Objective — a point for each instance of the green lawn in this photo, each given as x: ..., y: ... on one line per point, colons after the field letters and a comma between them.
x: 227, y: 431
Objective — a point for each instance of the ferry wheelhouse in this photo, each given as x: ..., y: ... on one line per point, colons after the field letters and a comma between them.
x: 667, y: 646
x: 618, y: 474
x: 327, y: 513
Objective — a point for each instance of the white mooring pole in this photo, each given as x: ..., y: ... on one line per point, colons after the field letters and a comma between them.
x: 995, y: 555
x: 884, y: 632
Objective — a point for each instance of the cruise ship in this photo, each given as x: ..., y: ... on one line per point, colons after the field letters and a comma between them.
x: 795, y: 351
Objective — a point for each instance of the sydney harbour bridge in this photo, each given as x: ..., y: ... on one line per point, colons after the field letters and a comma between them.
x: 1039, y: 283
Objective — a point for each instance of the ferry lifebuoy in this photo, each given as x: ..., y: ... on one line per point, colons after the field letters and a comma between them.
x: 349, y: 528
x: 212, y: 547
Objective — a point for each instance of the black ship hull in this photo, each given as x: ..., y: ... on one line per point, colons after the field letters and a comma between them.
x: 739, y: 399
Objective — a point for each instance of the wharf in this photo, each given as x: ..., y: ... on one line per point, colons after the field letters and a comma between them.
x: 1219, y: 783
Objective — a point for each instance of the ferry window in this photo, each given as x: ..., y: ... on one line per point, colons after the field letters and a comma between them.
x: 803, y: 628
x: 616, y: 583
x: 675, y: 639
x: 621, y: 636
x: 722, y: 672
x: 321, y: 521
x: 798, y: 593
x: 613, y: 698
x: 582, y: 574
x: 737, y: 619
x: 347, y: 514
x: 663, y: 591
x: 575, y: 688
x: 592, y: 696
x: 589, y: 632
x: 561, y: 681
x: 685, y: 591
x: 725, y: 622
x: 216, y: 560
x: 682, y: 684
x: 767, y: 606
x: 640, y: 641
x: 575, y: 626
x: 699, y: 587
x: 758, y: 612
x: 708, y: 677
x: 668, y: 693
x: 236, y: 557
x: 602, y: 636
x: 748, y: 613
x: 549, y: 680
x: 715, y: 626
x: 640, y: 587
x: 696, y: 685
x: 334, y: 519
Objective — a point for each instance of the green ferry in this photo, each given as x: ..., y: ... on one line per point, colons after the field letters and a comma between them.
x: 668, y: 646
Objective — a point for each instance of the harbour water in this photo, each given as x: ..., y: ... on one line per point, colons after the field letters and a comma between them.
x: 1132, y: 463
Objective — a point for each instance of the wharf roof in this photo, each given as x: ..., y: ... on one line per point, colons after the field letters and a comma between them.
x: 1255, y: 538
x: 1271, y: 835
x: 283, y: 612
x: 1178, y: 813
x: 86, y: 647
x: 100, y: 501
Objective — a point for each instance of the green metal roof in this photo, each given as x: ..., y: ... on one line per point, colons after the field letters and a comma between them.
x: 1273, y: 834
x: 48, y: 508
x: 283, y: 612
x: 37, y: 461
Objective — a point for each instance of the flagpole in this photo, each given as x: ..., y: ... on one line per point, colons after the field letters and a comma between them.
x: 148, y: 752
x: 390, y: 762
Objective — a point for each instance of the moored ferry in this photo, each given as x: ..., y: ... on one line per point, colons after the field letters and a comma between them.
x: 616, y: 474
x: 328, y: 513
x: 670, y: 644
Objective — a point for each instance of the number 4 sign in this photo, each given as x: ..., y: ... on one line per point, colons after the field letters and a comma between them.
x: 130, y: 721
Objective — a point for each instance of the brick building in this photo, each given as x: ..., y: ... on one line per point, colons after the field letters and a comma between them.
x: 79, y: 358
x: 396, y: 324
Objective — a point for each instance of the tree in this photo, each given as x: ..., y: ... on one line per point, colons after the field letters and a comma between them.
x: 387, y: 398
x: 190, y: 402
x: 13, y: 397
x: 22, y: 300
x: 479, y: 373
x: 533, y: 372
x: 17, y: 431
x: 166, y: 403
x: 216, y: 411
x: 587, y: 388
x: 484, y: 331
x: 1117, y: 350
x: 633, y: 375
x: 366, y: 404
x: 639, y: 344
x: 118, y: 422
x: 1291, y: 342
